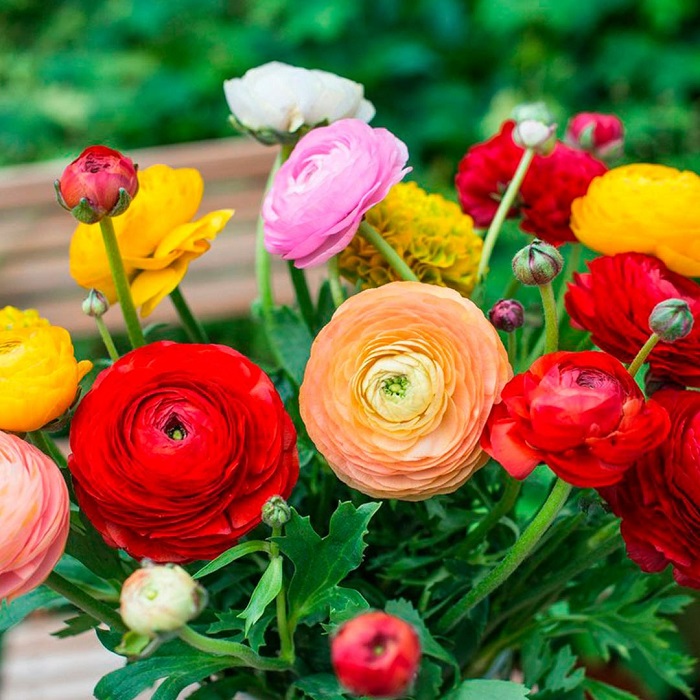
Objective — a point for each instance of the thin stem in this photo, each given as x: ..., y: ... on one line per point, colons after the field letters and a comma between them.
x: 93, y: 607
x: 642, y: 355
x: 121, y: 283
x: 502, y: 211
x: 515, y: 556
x: 47, y: 445
x: 194, y: 329
x: 512, y: 348
x: 301, y: 289
x: 240, y: 654
x: 551, y: 324
x: 337, y: 293
x: 107, y: 338
x: 283, y: 627
x: 371, y: 235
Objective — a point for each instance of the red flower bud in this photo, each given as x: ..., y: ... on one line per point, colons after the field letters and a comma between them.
x: 599, y: 134
x: 376, y: 654
x: 507, y: 315
x: 100, y: 182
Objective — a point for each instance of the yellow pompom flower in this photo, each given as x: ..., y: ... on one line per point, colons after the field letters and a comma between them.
x: 430, y: 233
x: 156, y: 235
x: 643, y: 208
x: 39, y: 374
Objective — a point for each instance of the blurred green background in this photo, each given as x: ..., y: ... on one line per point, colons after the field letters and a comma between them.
x: 442, y: 73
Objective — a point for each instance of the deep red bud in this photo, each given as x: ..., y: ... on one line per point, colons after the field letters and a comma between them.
x: 599, y: 134
x: 376, y: 654
x: 507, y: 315
x: 100, y: 182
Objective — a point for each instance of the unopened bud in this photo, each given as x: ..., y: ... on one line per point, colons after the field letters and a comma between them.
x: 376, y: 654
x: 599, y: 134
x: 671, y: 320
x: 276, y: 512
x: 537, y: 264
x: 160, y: 598
x: 95, y: 304
x: 507, y: 315
x: 533, y: 110
x: 537, y: 135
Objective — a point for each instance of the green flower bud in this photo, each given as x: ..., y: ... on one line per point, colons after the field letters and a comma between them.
x: 671, y: 320
x: 95, y: 304
x: 537, y: 135
x: 537, y: 264
x: 276, y: 512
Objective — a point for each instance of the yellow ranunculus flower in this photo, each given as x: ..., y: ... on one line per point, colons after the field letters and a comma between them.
x: 643, y: 208
x: 157, y: 237
x: 12, y: 317
x: 39, y: 374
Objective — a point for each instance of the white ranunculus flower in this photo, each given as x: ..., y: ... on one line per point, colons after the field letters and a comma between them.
x: 282, y: 98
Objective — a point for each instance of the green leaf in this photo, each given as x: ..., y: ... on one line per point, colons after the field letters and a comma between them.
x: 561, y: 678
x: 322, y: 686
x: 291, y: 341
x: 493, y: 690
x: 230, y: 621
x: 321, y: 563
x: 268, y: 587
x: 76, y: 625
x: 14, y: 612
x: 90, y: 549
x: 236, y: 552
x: 427, y: 685
x: 603, y: 691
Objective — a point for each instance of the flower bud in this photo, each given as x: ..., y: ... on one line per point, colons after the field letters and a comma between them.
x: 671, y: 320
x: 537, y: 264
x: 376, y: 654
x: 100, y: 182
x: 533, y: 110
x: 276, y: 512
x: 599, y: 134
x: 532, y: 133
x: 95, y: 304
x: 160, y: 598
x: 507, y: 315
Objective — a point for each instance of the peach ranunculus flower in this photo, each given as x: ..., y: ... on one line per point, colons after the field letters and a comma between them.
x: 157, y: 237
x: 39, y: 374
x: 643, y: 208
x: 398, y: 388
x: 35, y: 516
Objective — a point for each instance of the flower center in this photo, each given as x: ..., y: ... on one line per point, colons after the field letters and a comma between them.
x: 396, y: 387
x: 174, y: 428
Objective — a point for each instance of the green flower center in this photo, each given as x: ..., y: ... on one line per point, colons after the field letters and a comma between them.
x: 396, y: 387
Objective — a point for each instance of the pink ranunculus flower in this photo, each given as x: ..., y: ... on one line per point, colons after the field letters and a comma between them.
x: 35, y: 511
x: 319, y: 196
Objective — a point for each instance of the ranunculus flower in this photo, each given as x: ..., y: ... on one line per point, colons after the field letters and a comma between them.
x: 643, y: 208
x: 35, y: 516
x: 99, y: 182
x: 398, y: 388
x: 659, y: 497
x: 376, y: 654
x: 614, y: 299
x: 579, y: 412
x: 550, y: 185
x: 281, y: 98
x: 157, y: 238
x: 599, y: 134
x: 39, y: 374
x: 176, y: 449
x: 319, y: 196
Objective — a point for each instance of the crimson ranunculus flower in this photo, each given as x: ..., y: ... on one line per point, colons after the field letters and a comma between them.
x: 177, y: 447
x: 550, y: 186
x: 613, y: 301
x: 659, y: 497
x: 579, y: 412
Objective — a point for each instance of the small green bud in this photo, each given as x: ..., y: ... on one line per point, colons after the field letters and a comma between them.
x: 95, y: 304
x: 276, y: 512
x: 537, y: 264
x: 531, y: 133
x: 671, y: 320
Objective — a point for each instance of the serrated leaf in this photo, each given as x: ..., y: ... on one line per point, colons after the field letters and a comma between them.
x: 602, y: 691
x: 268, y: 587
x: 561, y: 677
x: 230, y: 555
x: 14, y: 612
x: 493, y: 690
x: 321, y: 686
x: 291, y: 341
x: 428, y: 683
x: 321, y: 563
x: 76, y: 625
x: 344, y: 604
x: 230, y: 621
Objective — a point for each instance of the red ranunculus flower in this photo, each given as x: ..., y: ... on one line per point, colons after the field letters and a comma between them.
x: 613, y: 301
x: 550, y: 186
x: 579, y: 412
x: 176, y: 448
x: 659, y: 497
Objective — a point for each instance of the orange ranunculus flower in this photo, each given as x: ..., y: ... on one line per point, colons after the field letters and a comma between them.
x: 398, y: 388
x: 34, y: 516
x: 156, y: 235
x: 39, y: 374
x: 643, y: 208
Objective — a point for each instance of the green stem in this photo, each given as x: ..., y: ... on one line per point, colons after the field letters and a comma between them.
x: 515, y: 556
x: 85, y: 602
x: 240, y: 654
x: 283, y: 627
x: 48, y: 447
x: 301, y: 289
x: 193, y: 328
x: 642, y: 355
x: 551, y: 324
x: 121, y: 283
x: 107, y: 338
x: 502, y: 211
x: 512, y: 348
x: 337, y: 293
x: 371, y: 235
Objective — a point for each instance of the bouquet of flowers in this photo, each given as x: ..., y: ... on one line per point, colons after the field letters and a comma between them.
x: 431, y: 484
